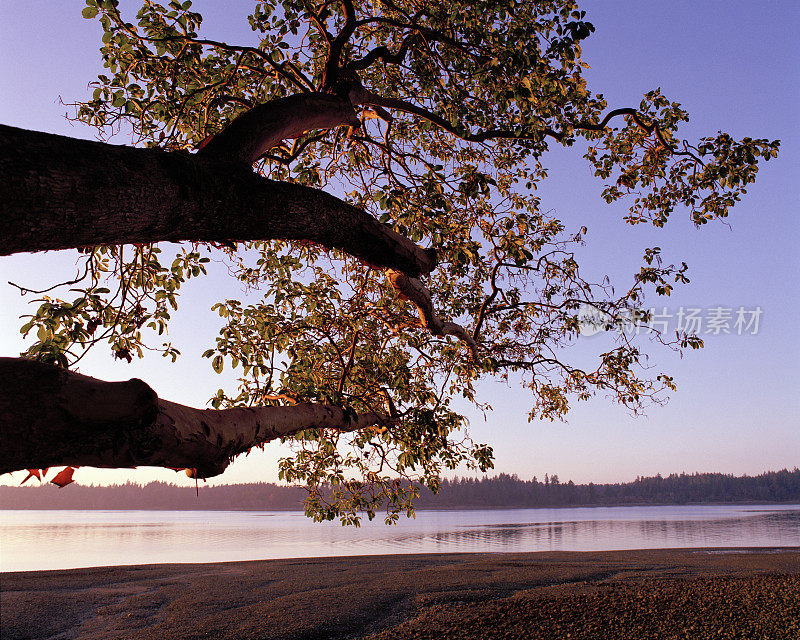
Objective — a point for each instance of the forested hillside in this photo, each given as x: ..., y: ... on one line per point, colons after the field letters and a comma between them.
x: 506, y: 491
x: 500, y: 491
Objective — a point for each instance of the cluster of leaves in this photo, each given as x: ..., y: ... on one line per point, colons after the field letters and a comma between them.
x: 61, y: 479
x: 469, y: 96
x: 323, y: 339
x: 145, y: 294
x: 707, y: 179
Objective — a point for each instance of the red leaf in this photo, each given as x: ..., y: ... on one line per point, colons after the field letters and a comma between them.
x: 63, y: 477
x: 32, y: 473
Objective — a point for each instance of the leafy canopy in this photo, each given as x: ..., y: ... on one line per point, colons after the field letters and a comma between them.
x: 466, y: 97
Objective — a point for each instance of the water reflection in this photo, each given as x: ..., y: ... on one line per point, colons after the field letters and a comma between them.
x: 514, y: 535
x: 750, y: 529
x: 64, y: 539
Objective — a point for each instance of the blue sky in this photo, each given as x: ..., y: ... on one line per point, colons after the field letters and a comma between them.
x: 732, y: 65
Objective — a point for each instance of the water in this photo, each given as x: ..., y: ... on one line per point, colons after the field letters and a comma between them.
x: 32, y: 540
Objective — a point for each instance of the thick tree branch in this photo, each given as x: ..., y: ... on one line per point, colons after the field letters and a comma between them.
x: 62, y: 193
x: 51, y: 417
x: 255, y: 132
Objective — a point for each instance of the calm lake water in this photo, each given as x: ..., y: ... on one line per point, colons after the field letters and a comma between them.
x: 31, y: 540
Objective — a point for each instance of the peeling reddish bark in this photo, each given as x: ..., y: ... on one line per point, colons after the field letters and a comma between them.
x: 266, y: 125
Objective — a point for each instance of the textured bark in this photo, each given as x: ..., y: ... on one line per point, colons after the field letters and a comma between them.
x: 255, y: 132
x: 60, y: 193
x: 52, y: 417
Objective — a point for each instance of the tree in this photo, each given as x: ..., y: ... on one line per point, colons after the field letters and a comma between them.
x: 372, y: 168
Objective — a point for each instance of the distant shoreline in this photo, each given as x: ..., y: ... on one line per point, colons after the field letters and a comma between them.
x: 502, y: 491
x: 425, y: 595
x: 427, y: 509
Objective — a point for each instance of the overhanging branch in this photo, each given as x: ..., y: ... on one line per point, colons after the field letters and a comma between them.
x: 62, y: 193
x: 52, y: 417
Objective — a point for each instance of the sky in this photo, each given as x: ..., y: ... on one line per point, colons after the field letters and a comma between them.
x: 732, y: 64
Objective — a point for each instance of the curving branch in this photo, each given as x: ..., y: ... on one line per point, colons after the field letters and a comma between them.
x: 265, y: 126
x: 330, y: 74
x: 418, y: 294
x: 90, y: 422
x: 428, y: 33
x: 383, y: 53
x: 286, y: 69
x: 290, y: 155
x: 363, y: 96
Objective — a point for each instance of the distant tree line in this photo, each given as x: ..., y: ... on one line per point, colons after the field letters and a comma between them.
x: 499, y: 491
x: 510, y: 491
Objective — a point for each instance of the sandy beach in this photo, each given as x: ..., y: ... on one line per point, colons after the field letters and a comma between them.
x: 687, y: 593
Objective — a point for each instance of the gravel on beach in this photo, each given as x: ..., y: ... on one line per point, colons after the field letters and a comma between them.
x: 764, y: 606
x: 671, y: 594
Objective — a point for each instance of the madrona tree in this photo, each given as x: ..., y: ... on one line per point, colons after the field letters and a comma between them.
x: 369, y: 167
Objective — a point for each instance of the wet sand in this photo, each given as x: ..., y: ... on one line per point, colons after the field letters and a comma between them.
x: 627, y: 594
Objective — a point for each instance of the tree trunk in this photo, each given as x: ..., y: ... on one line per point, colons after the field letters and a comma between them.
x: 53, y: 417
